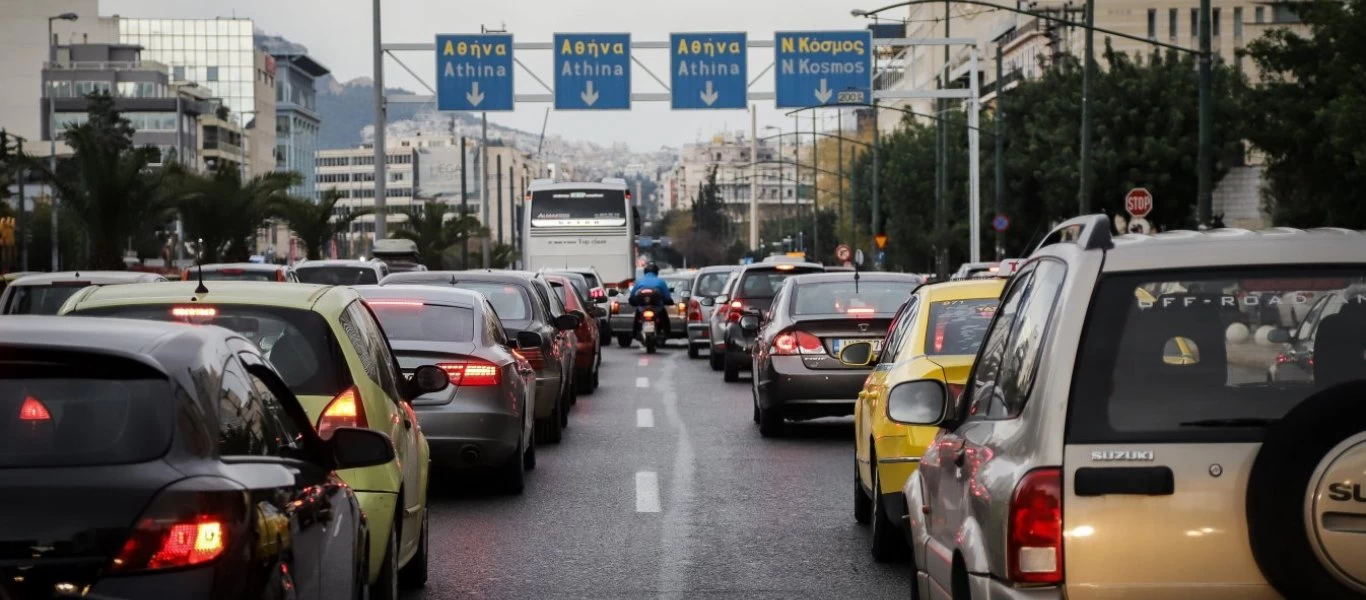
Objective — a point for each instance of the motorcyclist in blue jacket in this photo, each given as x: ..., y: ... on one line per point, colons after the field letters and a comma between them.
x: 650, y: 280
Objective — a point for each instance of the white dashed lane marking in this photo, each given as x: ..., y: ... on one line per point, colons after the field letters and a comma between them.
x: 642, y: 382
x: 647, y: 492
x: 645, y: 417
x: 644, y: 362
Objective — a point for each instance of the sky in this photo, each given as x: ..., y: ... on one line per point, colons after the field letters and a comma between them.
x: 338, y: 34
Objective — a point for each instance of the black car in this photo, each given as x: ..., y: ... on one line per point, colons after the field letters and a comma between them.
x: 797, y: 371
x: 753, y: 290
x: 142, y: 460
x: 523, y: 302
x: 595, y: 296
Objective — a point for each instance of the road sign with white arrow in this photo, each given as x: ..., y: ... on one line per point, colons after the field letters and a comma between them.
x: 823, y: 67
x: 592, y: 71
x: 709, y: 70
x: 474, y: 72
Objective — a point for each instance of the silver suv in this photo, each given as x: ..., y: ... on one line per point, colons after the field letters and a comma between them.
x: 1119, y: 436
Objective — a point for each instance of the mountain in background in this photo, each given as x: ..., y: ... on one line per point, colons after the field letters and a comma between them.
x: 347, y: 108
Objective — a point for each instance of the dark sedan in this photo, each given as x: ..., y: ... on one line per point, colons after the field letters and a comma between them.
x: 797, y: 371
x: 753, y: 288
x: 159, y: 460
x: 522, y: 301
x: 484, y: 419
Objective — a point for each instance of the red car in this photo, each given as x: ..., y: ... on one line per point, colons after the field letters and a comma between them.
x: 589, y: 356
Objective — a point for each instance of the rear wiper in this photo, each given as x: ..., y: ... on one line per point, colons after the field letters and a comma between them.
x: 1238, y: 422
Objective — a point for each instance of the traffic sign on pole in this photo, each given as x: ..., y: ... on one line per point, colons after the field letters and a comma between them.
x: 881, y: 240
x: 1000, y: 223
x: 474, y: 72
x: 843, y: 253
x: 709, y: 70
x: 592, y: 71
x: 1138, y: 202
x: 823, y: 67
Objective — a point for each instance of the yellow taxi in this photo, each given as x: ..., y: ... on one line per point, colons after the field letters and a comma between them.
x: 929, y: 348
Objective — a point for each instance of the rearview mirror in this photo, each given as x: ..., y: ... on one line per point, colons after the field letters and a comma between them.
x: 1278, y: 336
x: 921, y: 402
x: 429, y: 378
x: 857, y: 354
x: 529, y: 339
x: 749, y: 323
x: 353, y: 447
x: 567, y: 322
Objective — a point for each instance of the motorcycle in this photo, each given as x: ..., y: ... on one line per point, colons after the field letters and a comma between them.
x: 649, y: 315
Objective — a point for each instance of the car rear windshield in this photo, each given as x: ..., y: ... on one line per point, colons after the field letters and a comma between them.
x: 237, y: 275
x: 508, y: 300
x: 711, y: 284
x: 298, y: 342
x: 591, y: 279
x: 1213, y: 356
x: 842, y: 297
x: 418, y: 322
x: 338, y: 275
x: 65, y: 414
x: 764, y: 283
x: 956, y: 327
x: 40, y: 299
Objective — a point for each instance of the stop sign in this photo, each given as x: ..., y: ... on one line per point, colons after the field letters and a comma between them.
x: 1138, y: 202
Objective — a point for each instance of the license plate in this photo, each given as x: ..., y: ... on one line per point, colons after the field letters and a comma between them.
x: 647, y: 327
x: 839, y: 344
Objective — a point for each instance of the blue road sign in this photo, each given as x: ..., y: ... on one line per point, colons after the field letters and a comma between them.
x: 592, y: 71
x: 823, y: 67
x: 1000, y: 223
x: 474, y: 72
x: 709, y: 70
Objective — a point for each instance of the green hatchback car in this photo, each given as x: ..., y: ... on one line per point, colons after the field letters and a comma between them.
x: 331, y: 350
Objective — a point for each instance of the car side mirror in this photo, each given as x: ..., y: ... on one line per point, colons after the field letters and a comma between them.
x: 353, y: 447
x: 566, y: 322
x: 599, y: 299
x: 749, y: 323
x: 708, y: 302
x: 857, y: 354
x: 921, y: 402
x: 427, y: 379
x: 722, y: 299
x: 1278, y: 336
x: 583, y: 316
x: 528, y: 339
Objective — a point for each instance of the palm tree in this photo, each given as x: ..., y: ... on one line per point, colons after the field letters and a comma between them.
x: 225, y: 212
x: 434, y: 235
x: 314, y: 223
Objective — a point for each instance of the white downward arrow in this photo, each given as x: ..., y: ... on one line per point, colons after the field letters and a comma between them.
x: 709, y: 95
x: 588, y: 95
x: 823, y: 92
x: 474, y: 95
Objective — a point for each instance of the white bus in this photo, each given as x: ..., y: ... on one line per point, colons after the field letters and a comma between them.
x: 581, y: 224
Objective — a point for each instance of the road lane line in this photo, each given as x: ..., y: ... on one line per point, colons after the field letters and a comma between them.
x: 647, y: 492
x: 645, y: 417
x: 642, y: 382
x: 677, y: 532
x: 644, y: 362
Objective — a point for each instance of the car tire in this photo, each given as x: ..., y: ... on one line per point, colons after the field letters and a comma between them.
x: 732, y: 370
x: 386, y: 586
x: 863, y: 506
x: 414, y: 574
x: 1278, y: 490
x: 715, y: 359
x: 529, y: 455
x: 597, y: 370
x: 693, y: 351
x: 548, y: 429
x: 571, y: 391
x: 624, y: 341
x: 512, y: 474
x: 887, y: 545
x: 566, y: 402
x: 771, y: 422
x: 754, y: 395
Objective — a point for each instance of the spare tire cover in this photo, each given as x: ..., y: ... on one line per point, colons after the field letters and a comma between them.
x: 1306, y: 497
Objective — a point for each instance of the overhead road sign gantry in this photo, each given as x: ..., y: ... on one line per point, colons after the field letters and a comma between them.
x: 709, y: 70
x: 474, y: 72
x: 823, y: 67
x: 592, y: 71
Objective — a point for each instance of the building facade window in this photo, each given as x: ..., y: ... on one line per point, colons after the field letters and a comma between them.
x: 1195, y: 22
x: 1215, y: 22
x: 1238, y: 25
x: 211, y: 74
x: 1258, y: 15
x: 1172, y: 22
x: 1152, y: 23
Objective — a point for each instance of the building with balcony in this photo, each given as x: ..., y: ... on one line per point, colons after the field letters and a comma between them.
x: 297, y: 121
x: 783, y: 188
x: 222, y: 144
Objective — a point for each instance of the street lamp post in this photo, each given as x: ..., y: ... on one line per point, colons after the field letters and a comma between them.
x: 52, y: 128
x: 782, y: 219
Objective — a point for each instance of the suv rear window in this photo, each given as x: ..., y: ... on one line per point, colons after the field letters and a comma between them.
x: 764, y: 283
x: 417, y: 322
x: 956, y: 327
x: 1212, y: 356
x: 338, y: 275
x: 298, y: 342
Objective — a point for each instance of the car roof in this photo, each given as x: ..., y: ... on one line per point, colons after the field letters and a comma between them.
x: 717, y: 269
x: 135, y: 339
x: 863, y: 276
x: 447, y: 276
x: 257, y: 293
x: 337, y: 262
x: 93, y: 277
x: 426, y: 293
x: 775, y: 266
x: 966, y: 289
x: 247, y: 266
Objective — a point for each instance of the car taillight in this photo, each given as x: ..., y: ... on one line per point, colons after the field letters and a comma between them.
x: 190, y: 523
x: 734, y: 311
x: 694, y: 311
x: 797, y: 342
x: 649, y: 314
x: 535, y: 357
x: 473, y: 373
x: 33, y: 410
x: 1281, y: 358
x: 1034, y: 535
x: 616, y: 307
x: 345, y: 410
x: 860, y: 312
x: 596, y: 293
x: 939, y: 336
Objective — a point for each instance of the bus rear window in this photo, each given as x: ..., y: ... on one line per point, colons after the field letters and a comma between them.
x: 569, y: 208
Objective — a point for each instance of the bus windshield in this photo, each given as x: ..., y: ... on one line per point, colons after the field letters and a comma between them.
x: 571, y: 208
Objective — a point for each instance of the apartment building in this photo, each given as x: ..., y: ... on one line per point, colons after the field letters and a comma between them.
x: 784, y: 173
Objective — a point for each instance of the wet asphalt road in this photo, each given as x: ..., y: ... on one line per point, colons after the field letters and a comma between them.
x: 663, y: 488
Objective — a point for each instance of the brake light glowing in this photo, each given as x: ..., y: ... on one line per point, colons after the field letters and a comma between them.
x: 181, y: 545
x: 186, y: 312
x: 1034, y: 535
x: 471, y: 373
x: 734, y: 310
x: 694, y: 311
x: 535, y: 357
x: 395, y: 303
x: 597, y: 293
x: 860, y: 312
x: 345, y: 410
x: 616, y: 307
x: 682, y: 308
x: 784, y: 267
x: 649, y: 314
x: 33, y: 410
x: 737, y: 305
x: 797, y: 342
x: 939, y: 336
x: 1281, y: 358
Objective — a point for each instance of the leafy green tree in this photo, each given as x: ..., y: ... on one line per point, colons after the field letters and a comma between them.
x: 1309, y: 117
x: 226, y: 211
x: 435, y: 235
x: 315, y: 223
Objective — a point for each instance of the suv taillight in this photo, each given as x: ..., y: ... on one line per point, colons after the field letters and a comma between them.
x: 694, y: 311
x: 734, y: 311
x: 345, y: 410
x: 1034, y: 535
x: 791, y: 343
x: 192, y: 522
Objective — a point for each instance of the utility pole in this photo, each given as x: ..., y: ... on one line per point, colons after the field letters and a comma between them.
x: 1087, y: 74
x: 815, y: 189
x: 754, y: 177
x: 381, y: 165
x: 484, y: 183
x: 464, y: 203
x: 839, y: 123
x: 938, y: 179
x: 1000, y: 146
x: 498, y: 183
x: 1205, y: 158
x: 877, y: 166
x: 796, y: 177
